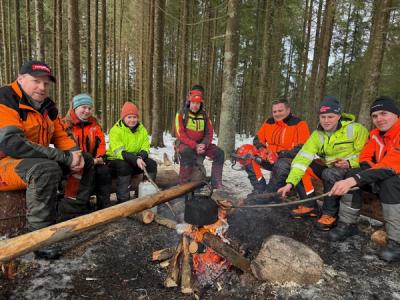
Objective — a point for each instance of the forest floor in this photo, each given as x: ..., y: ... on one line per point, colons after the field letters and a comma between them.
x: 114, y: 261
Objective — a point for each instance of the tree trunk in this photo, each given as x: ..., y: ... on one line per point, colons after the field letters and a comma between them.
x: 28, y: 29
x: 229, y: 95
x: 6, y: 59
x: 374, y: 57
x: 158, y: 73
x: 18, y: 35
x: 103, y: 70
x: 183, y: 51
x: 95, y: 77
x: 74, y: 59
x: 60, y: 87
x: 39, y: 11
x: 88, y: 49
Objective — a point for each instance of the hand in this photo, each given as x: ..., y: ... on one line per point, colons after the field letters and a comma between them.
x: 342, y: 187
x: 98, y: 161
x: 140, y: 163
x: 78, y: 162
x: 200, y: 148
x: 342, y: 163
x: 285, y: 190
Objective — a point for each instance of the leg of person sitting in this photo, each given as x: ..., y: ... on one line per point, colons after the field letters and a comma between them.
x: 256, y: 178
x: 122, y: 170
x: 218, y: 157
x: 330, y: 206
x: 389, y: 196
x: 187, y: 157
x: 102, y: 185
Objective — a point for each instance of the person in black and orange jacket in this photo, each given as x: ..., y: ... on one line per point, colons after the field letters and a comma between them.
x: 29, y: 123
x: 90, y: 138
x: 281, y: 136
x: 378, y: 173
x: 194, y: 133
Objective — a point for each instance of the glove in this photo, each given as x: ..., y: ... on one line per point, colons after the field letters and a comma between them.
x: 143, y: 154
x: 258, y: 160
x: 130, y: 158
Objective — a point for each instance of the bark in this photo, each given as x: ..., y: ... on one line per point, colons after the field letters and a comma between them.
x: 103, y: 68
x: 18, y: 46
x: 183, y: 57
x: 74, y: 60
x: 229, y: 100
x: 374, y: 57
x: 6, y: 60
x: 95, y: 77
x: 12, y: 248
x: 158, y: 73
x: 59, y: 47
x: 28, y: 29
x: 40, y: 55
x: 88, y: 49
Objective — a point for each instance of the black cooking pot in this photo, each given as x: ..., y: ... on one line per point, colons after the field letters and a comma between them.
x: 200, y: 210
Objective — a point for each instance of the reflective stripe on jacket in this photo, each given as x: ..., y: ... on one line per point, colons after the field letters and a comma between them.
x: 89, y: 135
x: 383, y: 151
x: 345, y: 143
x: 26, y: 132
x: 198, y: 129
x: 282, y: 135
x: 123, y: 139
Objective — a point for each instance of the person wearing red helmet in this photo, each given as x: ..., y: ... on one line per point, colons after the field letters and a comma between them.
x: 194, y: 133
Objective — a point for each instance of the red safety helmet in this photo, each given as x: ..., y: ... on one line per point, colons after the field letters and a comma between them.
x: 195, y: 96
x: 246, y: 150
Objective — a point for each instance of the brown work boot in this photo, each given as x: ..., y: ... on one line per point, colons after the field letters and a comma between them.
x: 326, y: 222
x: 303, y: 211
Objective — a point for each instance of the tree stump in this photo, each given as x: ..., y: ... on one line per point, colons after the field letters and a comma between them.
x: 282, y: 259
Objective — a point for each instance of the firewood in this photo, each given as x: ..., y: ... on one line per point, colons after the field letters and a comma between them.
x: 171, y: 224
x: 146, y: 216
x: 163, y: 254
x: 223, y: 249
x: 12, y: 248
x: 173, y: 269
x: 193, y: 247
x: 186, y: 278
x: 164, y: 263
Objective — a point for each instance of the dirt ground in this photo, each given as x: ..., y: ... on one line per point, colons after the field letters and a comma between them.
x: 114, y: 262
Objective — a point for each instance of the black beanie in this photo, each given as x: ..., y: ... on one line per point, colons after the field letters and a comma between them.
x: 330, y: 104
x: 384, y: 103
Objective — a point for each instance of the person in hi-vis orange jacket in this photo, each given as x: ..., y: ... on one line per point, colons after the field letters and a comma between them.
x: 29, y: 123
x: 281, y: 136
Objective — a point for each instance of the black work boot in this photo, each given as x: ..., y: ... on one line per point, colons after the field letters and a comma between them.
x: 391, y: 252
x: 49, y: 252
x: 342, y: 231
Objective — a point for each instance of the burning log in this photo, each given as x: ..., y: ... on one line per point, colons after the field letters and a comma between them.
x: 186, y: 278
x: 173, y: 269
x: 22, y: 244
x: 234, y: 257
x: 163, y: 254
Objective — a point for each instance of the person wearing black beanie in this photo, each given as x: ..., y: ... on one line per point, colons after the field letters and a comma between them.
x: 380, y: 167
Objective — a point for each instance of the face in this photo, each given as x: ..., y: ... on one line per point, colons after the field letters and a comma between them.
x: 384, y: 120
x: 83, y: 112
x: 194, y: 106
x: 280, y: 111
x: 36, y: 87
x: 131, y: 120
x: 329, y: 121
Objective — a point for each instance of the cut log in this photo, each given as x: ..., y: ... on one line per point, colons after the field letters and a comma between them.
x: 173, y: 269
x: 223, y: 249
x: 164, y: 263
x: 379, y: 238
x: 193, y: 247
x: 163, y: 254
x: 10, y: 269
x: 186, y: 278
x: 146, y: 216
x: 171, y: 224
x: 22, y: 244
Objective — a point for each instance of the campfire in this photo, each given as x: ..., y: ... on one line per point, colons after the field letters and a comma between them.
x: 203, y: 250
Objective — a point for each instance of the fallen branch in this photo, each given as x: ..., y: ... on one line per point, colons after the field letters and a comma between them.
x: 173, y: 268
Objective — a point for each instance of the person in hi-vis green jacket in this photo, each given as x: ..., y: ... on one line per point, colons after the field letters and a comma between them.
x: 128, y: 151
x: 332, y: 149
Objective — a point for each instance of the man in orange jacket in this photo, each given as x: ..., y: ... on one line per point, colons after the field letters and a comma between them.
x: 29, y: 123
x: 282, y: 136
x: 378, y: 173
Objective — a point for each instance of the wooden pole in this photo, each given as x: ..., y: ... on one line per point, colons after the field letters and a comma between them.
x: 12, y: 248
